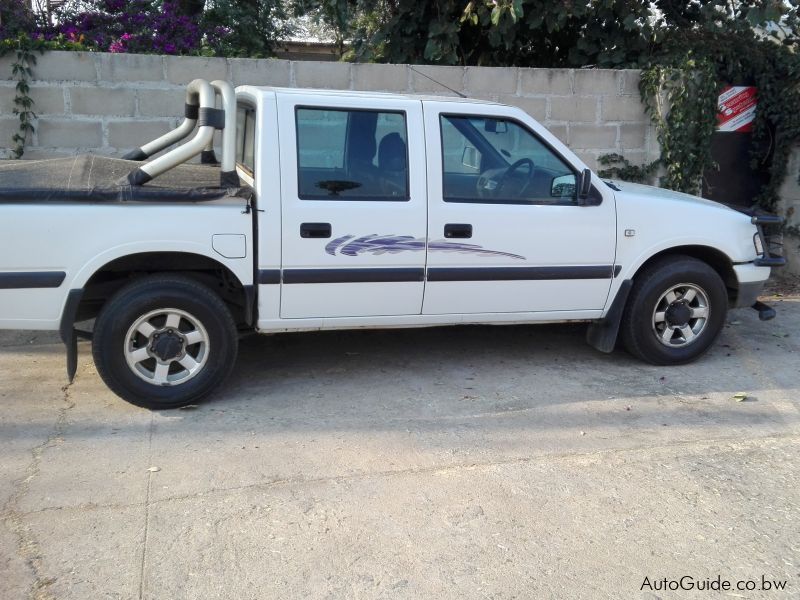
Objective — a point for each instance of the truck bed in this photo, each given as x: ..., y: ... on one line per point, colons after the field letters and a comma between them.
x: 92, y: 178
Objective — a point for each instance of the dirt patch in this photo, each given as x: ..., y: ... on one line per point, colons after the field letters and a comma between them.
x: 783, y: 285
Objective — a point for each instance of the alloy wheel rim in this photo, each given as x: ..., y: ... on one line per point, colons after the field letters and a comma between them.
x: 166, y: 347
x: 681, y: 315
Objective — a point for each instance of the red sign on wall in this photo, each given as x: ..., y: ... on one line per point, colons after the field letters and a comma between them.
x: 737, y: 108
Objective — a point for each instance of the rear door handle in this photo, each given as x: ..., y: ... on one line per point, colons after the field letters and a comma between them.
x: 457, y: 230
x: 315, y: 230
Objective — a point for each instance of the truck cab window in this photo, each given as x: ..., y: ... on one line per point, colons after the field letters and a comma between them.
x: 246, y: 138
x: 494, y: 160
x: 351, y: 155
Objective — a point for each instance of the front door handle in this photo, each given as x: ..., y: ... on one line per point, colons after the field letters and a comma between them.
x: 315, y: 230
x: 457, y: 230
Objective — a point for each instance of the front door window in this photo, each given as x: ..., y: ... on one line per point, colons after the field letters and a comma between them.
x: 490, y: 160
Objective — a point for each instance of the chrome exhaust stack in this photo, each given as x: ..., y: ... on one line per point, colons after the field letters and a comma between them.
x: 201, y: 113
x: 227, y: 96
x: 176, y: 135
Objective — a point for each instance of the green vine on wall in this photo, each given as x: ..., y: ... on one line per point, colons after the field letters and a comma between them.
x: 619, y: 167
x: 680, y: 94
x: 23, y: 50
x: 682, y: 103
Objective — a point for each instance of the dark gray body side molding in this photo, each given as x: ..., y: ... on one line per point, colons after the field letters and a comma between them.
x: 602, y: 334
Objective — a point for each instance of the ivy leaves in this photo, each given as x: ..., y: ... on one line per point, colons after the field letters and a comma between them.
x: 682, y: 103
x: 618, y: 167
x: 24, y: 58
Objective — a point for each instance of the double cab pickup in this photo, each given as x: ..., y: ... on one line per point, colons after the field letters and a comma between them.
x: 341, y: 210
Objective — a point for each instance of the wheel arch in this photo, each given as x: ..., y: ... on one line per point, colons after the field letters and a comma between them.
x: 603, y: 333
x: 99, y: 284
x: 130, y: 359
x: 713, y: 257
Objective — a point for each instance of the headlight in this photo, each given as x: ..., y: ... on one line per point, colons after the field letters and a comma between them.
x: 757, y: 243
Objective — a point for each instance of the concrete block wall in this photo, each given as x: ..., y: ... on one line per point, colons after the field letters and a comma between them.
x: 110, y: 103
x: 790, y: 206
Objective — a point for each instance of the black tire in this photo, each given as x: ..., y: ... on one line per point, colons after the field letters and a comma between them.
x: 152, y: 294
x: 639, y: 331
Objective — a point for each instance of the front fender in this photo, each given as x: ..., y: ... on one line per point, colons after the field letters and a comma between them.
x: 633, y: 260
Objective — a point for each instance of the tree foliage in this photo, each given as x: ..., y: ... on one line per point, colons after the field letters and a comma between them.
x: 254, y: 27
x: 513, y: 32
x: 557, y: 33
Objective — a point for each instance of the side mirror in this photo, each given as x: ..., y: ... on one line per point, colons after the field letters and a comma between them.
x: 563, y: 186
x: 584, y: 186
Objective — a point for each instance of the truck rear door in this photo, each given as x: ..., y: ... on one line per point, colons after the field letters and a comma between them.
x: 353, y: 205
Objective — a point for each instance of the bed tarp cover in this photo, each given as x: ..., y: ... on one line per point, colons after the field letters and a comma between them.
x: 91, y: 178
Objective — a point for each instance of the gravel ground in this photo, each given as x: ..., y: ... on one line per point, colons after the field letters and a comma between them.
x: 470, y: 462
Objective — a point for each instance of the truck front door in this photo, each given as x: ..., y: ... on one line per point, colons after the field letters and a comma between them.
x: 353, y: 206
x: 507, y: 233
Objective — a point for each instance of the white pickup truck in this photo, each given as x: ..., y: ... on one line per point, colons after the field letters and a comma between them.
x: 336, y: 210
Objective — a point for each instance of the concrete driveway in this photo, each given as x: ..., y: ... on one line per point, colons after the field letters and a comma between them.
x: 507, y: 462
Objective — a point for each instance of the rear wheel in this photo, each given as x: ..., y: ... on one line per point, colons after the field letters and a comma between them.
x: 675, y: 311
x: 164, y: 341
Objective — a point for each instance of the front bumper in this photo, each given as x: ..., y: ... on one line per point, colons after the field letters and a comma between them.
x: 748, y: 294
x: 751, y: 279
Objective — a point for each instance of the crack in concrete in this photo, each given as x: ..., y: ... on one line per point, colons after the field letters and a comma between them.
x: 27, y: 545
x: 696, y: 445
x: 50, y: 340
x: 738, y: 441
x: 147, y: 504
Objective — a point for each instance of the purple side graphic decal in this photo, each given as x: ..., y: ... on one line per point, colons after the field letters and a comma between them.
x: 349, y: 245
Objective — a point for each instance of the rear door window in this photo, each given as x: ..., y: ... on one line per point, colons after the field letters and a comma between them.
x: 351, y: 155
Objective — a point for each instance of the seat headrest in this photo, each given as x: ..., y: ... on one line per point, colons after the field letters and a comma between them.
x: 392, y: 153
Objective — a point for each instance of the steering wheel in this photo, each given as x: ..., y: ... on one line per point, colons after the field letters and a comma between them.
x: 511, y: 170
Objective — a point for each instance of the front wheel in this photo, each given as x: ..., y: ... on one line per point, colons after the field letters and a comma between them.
x: 164, y: 341
x: 675, y: 311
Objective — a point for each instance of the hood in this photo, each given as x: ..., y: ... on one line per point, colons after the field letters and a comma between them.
x: 634, y: 191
